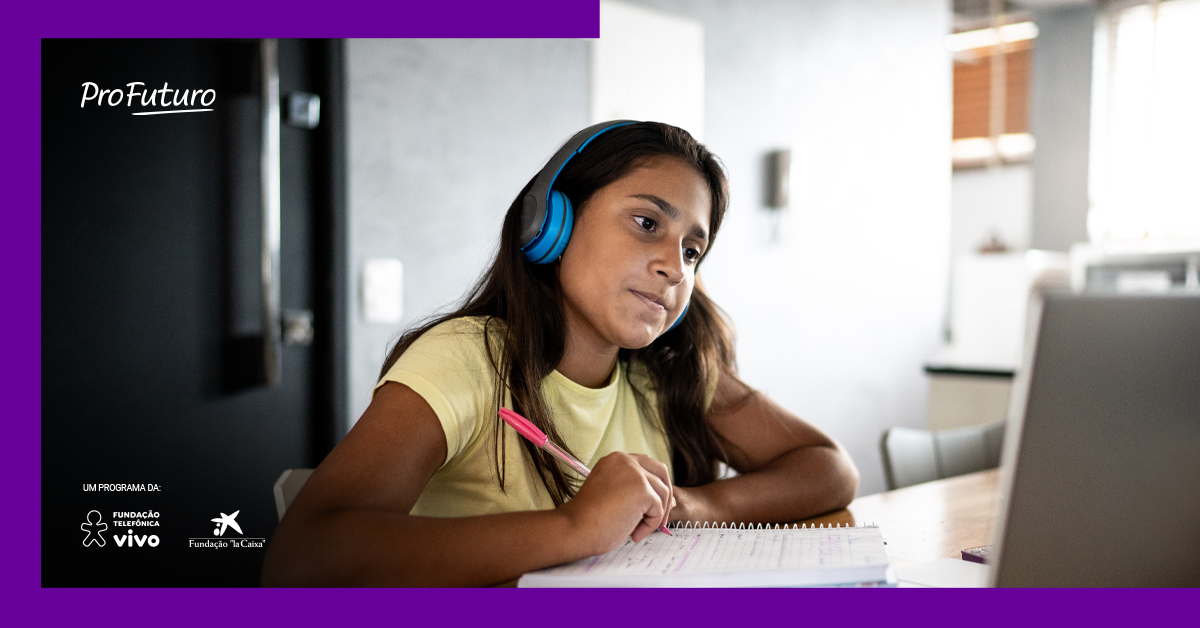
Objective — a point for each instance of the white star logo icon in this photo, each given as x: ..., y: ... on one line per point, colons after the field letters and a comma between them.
x: 227, y: 521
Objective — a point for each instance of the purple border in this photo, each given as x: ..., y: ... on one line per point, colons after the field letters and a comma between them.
x: 21, y: 377
x: 314, y: 18
x: 725, y: 608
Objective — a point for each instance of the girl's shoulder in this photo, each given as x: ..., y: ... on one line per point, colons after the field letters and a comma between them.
x: 462, y: 337
x: 464, y: 328
x: 466, y: 324
x: 451, y: 368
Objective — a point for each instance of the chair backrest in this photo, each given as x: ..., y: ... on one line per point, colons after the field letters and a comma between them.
x: 288, y: 486
x: 908, y: 457
x: 914, y: 456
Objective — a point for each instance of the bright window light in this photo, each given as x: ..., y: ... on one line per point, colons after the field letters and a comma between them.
x: 985, y: 37
x: 1015, y: 145
x: 1009, y: 147
x: 972, y: 149
x: 1145, y: 136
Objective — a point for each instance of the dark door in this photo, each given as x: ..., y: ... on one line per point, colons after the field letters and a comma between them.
x: 156, y: 409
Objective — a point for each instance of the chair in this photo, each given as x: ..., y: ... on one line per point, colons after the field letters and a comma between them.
x: 913, y: 456
x: 288, y: 486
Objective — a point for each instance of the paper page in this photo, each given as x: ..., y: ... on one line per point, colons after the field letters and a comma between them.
x: 707, y: 551
x: 944, y: 572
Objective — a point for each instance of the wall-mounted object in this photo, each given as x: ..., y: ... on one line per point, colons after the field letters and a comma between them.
x: 383, y: 290
x: 297, y: 328
x: 778, y: 173
x: 304, y: 110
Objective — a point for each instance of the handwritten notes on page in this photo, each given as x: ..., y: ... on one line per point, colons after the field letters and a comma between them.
x: 723, y: 557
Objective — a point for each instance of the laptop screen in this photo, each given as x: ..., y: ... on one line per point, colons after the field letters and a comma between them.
x: 1102, y: 467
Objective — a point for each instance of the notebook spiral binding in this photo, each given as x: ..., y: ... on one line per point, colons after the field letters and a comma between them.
x: 706, y: 525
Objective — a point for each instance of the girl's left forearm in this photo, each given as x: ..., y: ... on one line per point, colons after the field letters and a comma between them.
x: 798, y: 484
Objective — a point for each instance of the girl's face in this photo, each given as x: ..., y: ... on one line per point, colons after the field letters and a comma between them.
x: 630, y: 266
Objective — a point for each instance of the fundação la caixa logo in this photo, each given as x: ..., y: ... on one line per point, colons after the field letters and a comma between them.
x: 220, y: 541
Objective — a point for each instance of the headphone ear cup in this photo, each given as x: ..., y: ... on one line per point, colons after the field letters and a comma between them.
x: 561, y: 217
x: 555, y: 232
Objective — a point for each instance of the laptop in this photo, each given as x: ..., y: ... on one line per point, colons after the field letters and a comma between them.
x: 1100, y: 479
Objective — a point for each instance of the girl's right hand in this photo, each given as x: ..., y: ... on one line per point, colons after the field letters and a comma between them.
x: 626, y: 495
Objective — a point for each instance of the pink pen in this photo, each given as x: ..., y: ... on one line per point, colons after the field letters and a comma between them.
x: 539, y: 438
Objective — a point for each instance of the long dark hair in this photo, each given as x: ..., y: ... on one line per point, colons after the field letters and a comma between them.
x: 525, y: 326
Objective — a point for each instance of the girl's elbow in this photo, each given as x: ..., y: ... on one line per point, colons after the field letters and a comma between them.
x: 284, y: 568
x: 297, y: 557
x: 847, y: 480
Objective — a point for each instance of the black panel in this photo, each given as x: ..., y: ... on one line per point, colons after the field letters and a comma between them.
x: 151, y: 353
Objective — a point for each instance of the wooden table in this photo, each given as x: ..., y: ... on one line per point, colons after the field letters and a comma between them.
x: 927, y: 521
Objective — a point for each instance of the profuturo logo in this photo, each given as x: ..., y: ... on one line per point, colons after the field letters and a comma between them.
x: 167, y: 99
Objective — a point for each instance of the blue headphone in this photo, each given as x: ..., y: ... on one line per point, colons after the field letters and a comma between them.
x: 546, y: 214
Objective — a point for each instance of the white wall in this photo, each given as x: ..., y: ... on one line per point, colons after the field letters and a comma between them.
x: 836, y: 318
x: 835, y: 315
x: 648, y: 65
x: 987, y: 201
x: 442, y: 136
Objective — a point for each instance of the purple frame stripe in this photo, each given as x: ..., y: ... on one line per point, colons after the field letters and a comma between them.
x: 20, y: 375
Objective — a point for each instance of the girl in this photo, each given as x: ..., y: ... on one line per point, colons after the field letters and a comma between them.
x: 591, y: 324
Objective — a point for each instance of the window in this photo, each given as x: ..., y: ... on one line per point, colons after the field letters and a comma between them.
x: 992, y: 127
x: 1145, y: 137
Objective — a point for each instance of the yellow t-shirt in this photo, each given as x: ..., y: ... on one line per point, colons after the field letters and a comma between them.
x: 449, y: 367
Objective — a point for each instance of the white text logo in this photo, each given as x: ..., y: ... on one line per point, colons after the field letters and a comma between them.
x: 218, y: 539
x: 130, y: 538
x: 163, y: 97
x: 94, y: 526
x: 226, y: 521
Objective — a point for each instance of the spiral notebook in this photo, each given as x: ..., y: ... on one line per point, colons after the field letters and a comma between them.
x: 742, y: 556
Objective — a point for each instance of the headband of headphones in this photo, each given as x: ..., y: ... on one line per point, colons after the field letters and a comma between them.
x: 546, y: 214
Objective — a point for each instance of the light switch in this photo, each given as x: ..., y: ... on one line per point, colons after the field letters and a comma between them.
x: 383, y: 290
